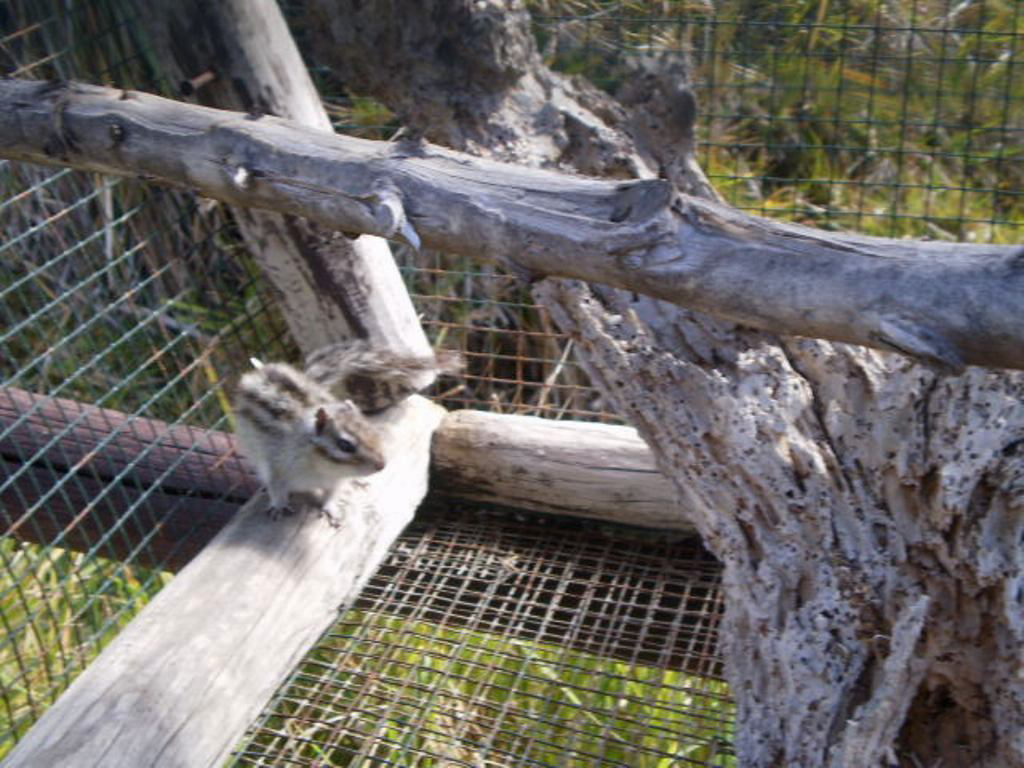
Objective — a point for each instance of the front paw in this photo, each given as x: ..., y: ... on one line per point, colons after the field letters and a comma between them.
x: 277, y: 512
x: 333, y: 518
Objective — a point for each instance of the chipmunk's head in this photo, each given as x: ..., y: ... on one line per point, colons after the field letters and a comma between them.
x: 340, y: 433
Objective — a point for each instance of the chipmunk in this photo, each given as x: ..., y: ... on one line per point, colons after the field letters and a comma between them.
x: 375, y: 379
x: 300, y: 438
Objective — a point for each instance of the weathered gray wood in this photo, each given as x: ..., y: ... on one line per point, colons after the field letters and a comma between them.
x: 328, y: 286
x: 600, y: 471
x: 948, y: 303
x: 179, y: 685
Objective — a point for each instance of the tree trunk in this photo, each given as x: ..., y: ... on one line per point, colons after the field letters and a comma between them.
x: 868, y: 511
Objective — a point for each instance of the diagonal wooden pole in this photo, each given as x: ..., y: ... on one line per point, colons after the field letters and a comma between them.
x: 180, y: 684
x: 240, y: 55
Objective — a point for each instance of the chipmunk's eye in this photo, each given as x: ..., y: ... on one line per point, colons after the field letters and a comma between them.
x: 346, y: 446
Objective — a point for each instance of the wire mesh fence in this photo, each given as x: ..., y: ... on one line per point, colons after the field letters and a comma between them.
x: 101, y: 311
x: 486, y: 641
x: 126, y: 309
x: 887, y: 118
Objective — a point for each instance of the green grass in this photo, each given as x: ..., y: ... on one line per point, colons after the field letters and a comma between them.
x: 413, y: 693
x: 889, y: 119
x: 58, y: 610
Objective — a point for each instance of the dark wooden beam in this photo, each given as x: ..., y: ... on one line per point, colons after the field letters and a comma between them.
x: 96, y: 479
x: 151, y: 527
x: 106, y: 442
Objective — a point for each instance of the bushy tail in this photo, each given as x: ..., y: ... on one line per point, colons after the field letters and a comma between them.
x: 376, y: 379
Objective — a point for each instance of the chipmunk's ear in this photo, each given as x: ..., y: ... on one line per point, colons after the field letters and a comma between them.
x: 351, y: 407
x: 321, y: 420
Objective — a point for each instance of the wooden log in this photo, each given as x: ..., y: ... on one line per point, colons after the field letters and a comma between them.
x: 185, y: 483
x: 600, y: 471
x: 329, y: 287
x: 179, y: 685
x: 948, y: 303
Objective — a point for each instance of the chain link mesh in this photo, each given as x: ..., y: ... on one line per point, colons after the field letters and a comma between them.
x: 486, y: 641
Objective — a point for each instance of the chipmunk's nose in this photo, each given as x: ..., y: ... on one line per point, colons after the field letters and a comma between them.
x: 378, y: 462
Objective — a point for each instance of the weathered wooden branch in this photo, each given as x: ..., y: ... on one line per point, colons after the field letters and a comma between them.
x: 186, y: 483
x: 951, y: 304
x: 179, y: 685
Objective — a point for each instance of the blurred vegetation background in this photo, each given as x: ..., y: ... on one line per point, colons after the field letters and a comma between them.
x: 900, y: 119
x: 889, y: 118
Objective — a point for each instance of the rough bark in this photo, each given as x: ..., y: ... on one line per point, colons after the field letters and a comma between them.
x: 868, y: 511
x: 601, y: 471
x: 949, y: 304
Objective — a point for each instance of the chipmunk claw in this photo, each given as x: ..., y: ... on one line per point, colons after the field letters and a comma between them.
x: 276, y: 513
x: 332, y: 519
